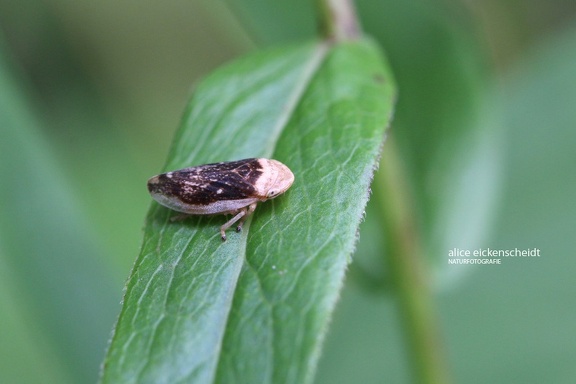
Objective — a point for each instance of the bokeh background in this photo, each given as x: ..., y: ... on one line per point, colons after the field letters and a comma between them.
x: 91, y: 93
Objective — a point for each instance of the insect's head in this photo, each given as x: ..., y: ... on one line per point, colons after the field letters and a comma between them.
x: 281, y: 178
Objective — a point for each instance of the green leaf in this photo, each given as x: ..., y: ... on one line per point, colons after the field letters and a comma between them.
x: 255, y: 309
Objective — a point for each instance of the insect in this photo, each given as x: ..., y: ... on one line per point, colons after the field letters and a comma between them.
x: 233, y: 187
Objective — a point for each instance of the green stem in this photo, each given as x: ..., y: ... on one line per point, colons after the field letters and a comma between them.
x: 338, y: 21
x: 406, y: 262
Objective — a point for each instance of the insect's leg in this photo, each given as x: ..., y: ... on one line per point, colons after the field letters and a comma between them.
x: 230, y: 222
x: 251, y: 209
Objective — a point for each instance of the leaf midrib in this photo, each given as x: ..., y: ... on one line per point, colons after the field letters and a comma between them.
x: 310, y: 68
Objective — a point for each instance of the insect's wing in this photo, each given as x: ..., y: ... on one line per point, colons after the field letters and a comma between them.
x: 216, y: 182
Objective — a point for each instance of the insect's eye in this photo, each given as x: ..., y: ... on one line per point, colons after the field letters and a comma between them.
x: 272, y: 193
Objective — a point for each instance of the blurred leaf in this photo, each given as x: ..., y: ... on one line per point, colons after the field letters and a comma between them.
x: 523, y: 311
x: 22, y: 344
x: 443, y: 125
x: 272, y: 22
x: 255, y: 308
x: 505, y: 323
x: 63, y: 298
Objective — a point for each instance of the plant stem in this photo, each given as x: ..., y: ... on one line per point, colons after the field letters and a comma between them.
x: 406, y: 261
x: 338, y: 21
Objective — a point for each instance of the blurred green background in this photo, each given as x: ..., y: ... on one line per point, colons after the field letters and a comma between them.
x: 91, y: 93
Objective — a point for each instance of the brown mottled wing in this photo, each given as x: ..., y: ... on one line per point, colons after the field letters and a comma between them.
x: 208, y: 183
